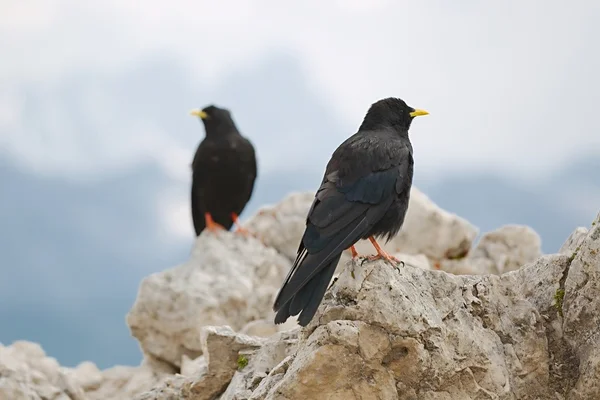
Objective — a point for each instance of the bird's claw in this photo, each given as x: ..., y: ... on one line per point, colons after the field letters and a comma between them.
x: 243, y: 231
x: 384, y: 256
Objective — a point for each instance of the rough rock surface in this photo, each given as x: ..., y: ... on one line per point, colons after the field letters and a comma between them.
x: 26, y: 373
x: 381, y: 332
x: 121, y: 382
x: 281, y: 226
x: 233, y: 361
x: 411, y: 333
x: 428, y: 230
x: 229, y: 280
x: 581, y: 310
x: 573, y: 242
x: 505, y: 249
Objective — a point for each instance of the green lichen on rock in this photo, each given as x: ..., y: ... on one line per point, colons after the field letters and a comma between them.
x: 242, y: 361
x: 558, y: 300
x: 574, y: 254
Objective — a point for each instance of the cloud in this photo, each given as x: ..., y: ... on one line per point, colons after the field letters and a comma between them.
x: 511, y: 86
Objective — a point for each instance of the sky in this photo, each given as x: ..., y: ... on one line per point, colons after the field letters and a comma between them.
x: 94, y: 117
x: 510, y: 86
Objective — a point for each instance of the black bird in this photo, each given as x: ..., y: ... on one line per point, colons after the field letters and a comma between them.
x: 364, y: 194
x: 223, y: 172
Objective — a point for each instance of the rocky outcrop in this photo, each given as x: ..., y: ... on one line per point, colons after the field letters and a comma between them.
x: 428, y: 230
x: 411, y: 333
x: 492, y: 320
x: 503, y: 250
x: 27, y: 373
x: 229, y: 279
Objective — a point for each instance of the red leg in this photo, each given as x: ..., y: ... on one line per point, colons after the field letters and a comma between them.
x: 210, y: 224
x: 354, y: 252
x: 381, y: 253
x: 239, y: 228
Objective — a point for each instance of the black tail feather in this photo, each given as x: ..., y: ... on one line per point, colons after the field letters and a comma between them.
x: 307, y: 300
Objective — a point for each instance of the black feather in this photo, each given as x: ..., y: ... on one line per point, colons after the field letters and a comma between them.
x: 223, y: 171
x: 364, y: 192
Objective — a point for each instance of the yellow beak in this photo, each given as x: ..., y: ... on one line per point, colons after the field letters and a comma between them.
x: 418, y: 112
x: 199, y: 113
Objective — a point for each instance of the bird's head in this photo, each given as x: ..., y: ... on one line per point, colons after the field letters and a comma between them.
x: 214, y: 118
x: 391, y: 111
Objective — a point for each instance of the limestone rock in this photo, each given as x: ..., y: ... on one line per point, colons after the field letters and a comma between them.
x: 505, y: 249
x: 122, y: 382
x: 268, y: 361
x: 407, y: 333
x: 229, y: 280
x: 27, y: 373
x: 191, y: 367
x: 281, y: 226
x: 87, y: 375
x: 574, y: 241
x: 170, y: 389
x: 519, y: 326
x: 224, y: 353
x: 427, y: 230
x: 581, y: 309
x: 410, y: 333
x: 222, y: 348
x: 415, y: 260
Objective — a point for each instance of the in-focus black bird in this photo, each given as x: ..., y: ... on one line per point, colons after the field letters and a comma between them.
x: 364, y: 194
x: 223, y: 172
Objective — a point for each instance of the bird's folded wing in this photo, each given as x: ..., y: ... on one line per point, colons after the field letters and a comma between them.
x: 340, y: 215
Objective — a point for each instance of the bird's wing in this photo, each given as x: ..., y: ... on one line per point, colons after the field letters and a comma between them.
x: 199, y: 180
x: 344, y: 209
x: 249, y: 159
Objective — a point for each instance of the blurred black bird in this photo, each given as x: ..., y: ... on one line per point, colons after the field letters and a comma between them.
x: 223, y: 172
x: 364, y: 194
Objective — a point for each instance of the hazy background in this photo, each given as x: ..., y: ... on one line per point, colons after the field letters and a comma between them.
x: 96, y: 139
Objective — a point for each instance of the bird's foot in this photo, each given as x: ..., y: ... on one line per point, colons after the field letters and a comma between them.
x: 211, y: 225
x: 382, y: 254
x: 240, y: 230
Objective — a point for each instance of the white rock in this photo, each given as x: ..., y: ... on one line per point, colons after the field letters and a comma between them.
x: 229, y: 280
x: 502, y: 250
x: 26, y: 373
x: 574, y: 241
x: 581, y: 309
x: 122, y: 382
x: 225, y: 352
x: 260, y: 327
x: 87, y: 375
x: 281, y: 226
x: 427, y: 229
x: 415, y: 260
x: 191, y: 367
x: 411, y: 333
x: 381, y: 332
x: 263, y: 362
